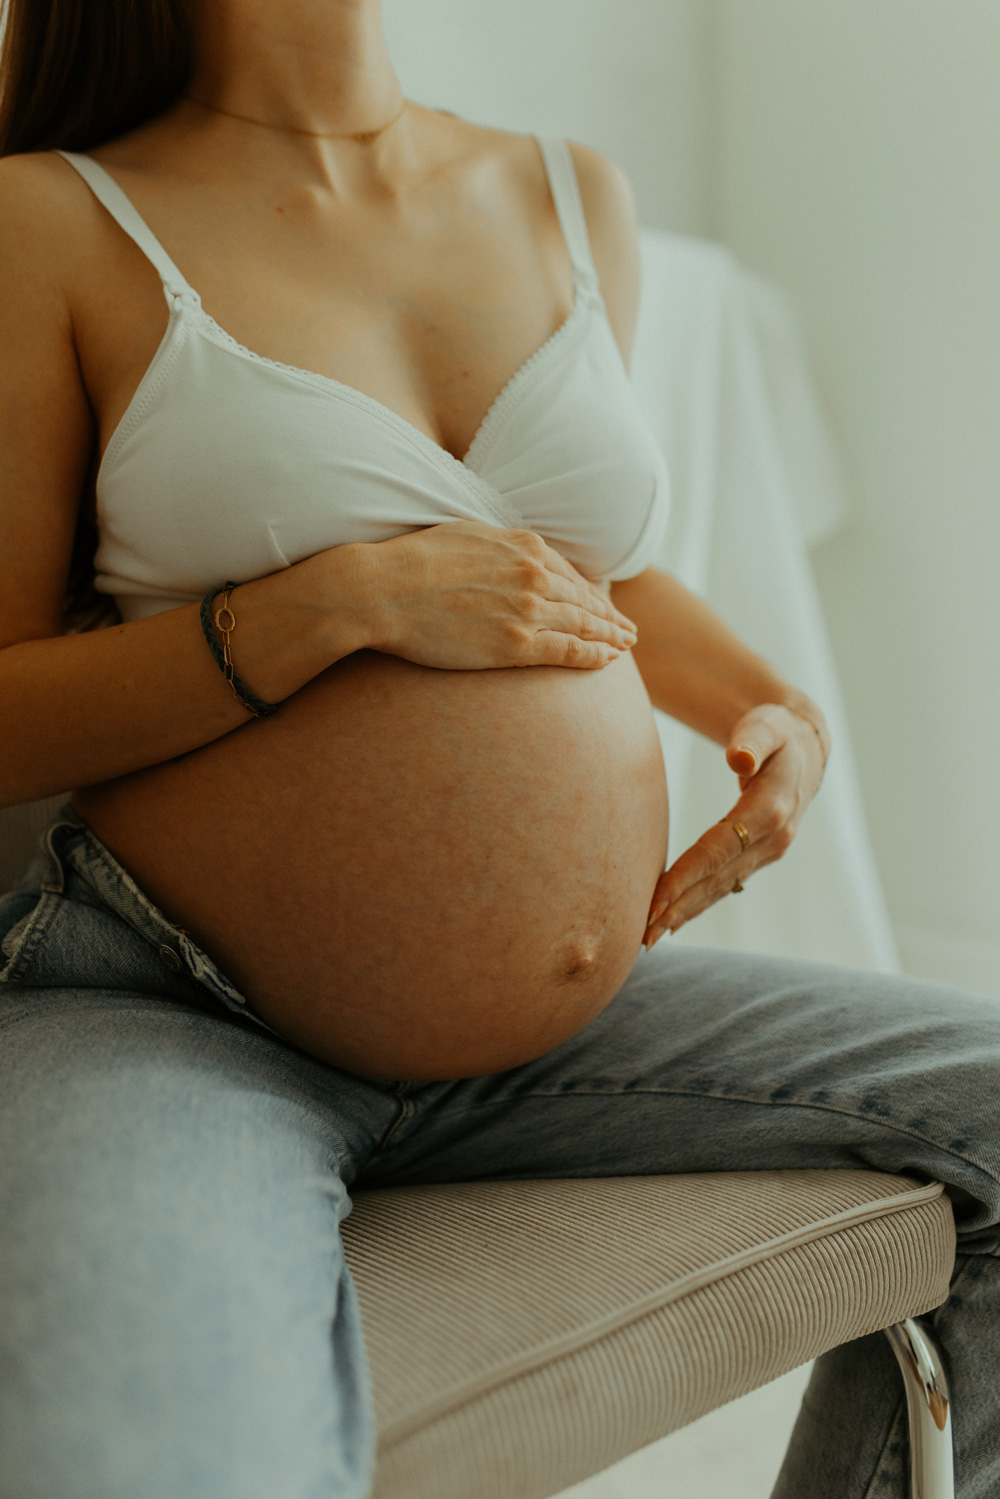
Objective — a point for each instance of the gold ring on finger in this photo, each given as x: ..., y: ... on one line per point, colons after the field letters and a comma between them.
x: 737, y: 889
x: 742, y: 835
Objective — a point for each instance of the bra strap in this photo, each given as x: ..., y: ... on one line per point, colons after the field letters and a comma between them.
x: 107, y: 192
x: 569, y: 206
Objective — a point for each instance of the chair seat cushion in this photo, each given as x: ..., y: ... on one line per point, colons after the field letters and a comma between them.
x: 524, y: 1335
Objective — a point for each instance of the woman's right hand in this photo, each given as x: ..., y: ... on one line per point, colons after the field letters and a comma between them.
x: 465, y: 596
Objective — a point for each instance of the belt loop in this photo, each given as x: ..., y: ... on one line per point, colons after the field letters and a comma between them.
x: 55, y: 884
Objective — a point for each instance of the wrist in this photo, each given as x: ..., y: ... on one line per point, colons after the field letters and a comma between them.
x: 346, y: 600
x: 384, y: 575
x: 811, y: 713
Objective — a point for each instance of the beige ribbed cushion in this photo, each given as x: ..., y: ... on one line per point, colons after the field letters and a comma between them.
x: 523, y: 1335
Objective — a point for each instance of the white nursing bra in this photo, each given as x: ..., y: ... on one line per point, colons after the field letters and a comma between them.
x: 230, y: 465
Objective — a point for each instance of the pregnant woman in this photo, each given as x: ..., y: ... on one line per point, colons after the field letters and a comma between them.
x: 317, y: 399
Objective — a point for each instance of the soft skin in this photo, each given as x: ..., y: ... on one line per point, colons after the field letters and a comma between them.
x: 441, y: 857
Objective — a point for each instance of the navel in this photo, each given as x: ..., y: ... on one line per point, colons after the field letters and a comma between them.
x: 580, y: 963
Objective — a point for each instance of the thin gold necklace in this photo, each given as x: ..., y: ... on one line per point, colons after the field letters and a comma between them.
x: 363, y: 137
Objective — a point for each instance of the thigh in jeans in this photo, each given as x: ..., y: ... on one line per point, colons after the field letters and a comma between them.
x: 176, y: 1320
x: 715, y: 1061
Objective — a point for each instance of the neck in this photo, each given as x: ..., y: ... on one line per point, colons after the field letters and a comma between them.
x: 313, y: 65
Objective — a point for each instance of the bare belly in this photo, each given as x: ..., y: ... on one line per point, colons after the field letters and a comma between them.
x: 413, y: 873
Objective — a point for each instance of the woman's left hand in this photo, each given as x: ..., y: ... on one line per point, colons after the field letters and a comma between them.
x: 779, y: 756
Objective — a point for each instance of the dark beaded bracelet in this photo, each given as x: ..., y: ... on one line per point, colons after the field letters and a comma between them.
x: 225, y: 621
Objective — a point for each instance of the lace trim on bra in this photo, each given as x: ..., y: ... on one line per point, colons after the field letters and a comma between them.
x: 587, y: 299
x: 186, y: 309
x: 506, y: 513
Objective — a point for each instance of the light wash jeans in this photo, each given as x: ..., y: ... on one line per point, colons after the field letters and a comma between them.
x: 176, y: 1320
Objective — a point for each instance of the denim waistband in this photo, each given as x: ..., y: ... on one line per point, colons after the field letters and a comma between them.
x: 70, y: 849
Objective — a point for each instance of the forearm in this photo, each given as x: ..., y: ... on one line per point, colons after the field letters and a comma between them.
x: 694, y: 667
x: 77, y: 710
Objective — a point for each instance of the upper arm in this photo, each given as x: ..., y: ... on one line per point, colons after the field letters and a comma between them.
x: 46, y: 429
x: 609, y: 208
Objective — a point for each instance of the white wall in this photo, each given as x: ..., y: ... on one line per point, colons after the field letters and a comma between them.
x: 626, y: 77
x: 857, y: 164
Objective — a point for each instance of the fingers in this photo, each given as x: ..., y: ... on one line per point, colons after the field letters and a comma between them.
x: 778, y: 782
x: 553, y: 648
x: 571, y: 587
x: 710, y: 870
x: 486, y: 596
x: 563, y: 601
x: 695, y: 899
x: 657, y: 906
x: 578, y: 617
x: 580, y: 621
x: 754, y: 740
x: 712, y: 861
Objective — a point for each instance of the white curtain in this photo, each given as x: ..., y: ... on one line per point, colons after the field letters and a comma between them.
x: 720, y: 373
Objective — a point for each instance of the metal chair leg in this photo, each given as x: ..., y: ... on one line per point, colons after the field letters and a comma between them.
x: 932, y: 1470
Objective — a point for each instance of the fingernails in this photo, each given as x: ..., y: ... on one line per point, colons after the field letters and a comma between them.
x: 653, y: 938
x: 657, y: 915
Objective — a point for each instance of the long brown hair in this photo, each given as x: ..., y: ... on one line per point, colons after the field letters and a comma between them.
x: 74, y: 73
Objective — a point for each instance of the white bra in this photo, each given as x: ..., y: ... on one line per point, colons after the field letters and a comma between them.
x: 230, y: 465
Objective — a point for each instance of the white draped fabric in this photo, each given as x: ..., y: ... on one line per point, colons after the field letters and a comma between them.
x: 721, y: 375
x: 723, y: 380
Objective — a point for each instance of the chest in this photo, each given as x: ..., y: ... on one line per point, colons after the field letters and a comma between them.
x: 429, y: 312
x: 229, y: 465
x: 338, y: 377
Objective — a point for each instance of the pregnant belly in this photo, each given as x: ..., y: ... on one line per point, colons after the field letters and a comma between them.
x: 413, y: 873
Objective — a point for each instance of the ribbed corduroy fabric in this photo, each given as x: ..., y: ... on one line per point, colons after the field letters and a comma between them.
x: 524, y: 1335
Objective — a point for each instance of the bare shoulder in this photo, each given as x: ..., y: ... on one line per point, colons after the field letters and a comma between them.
x: 26, y: 177
x: 35, y: 195
x: 43, y: 236
x: 44, y: 220
x: 608, y: 199
x: 45, y: 422
x: 608, y: 205
x: 51, y: 231
x: 609, y: 208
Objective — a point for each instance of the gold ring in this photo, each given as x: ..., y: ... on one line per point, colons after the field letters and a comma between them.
x: 742, y: 835
x: 737, y: 889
